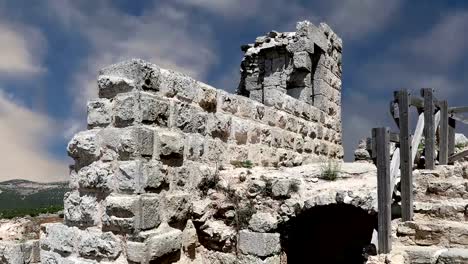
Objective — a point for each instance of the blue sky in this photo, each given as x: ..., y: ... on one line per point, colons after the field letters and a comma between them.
x: 51, y: 50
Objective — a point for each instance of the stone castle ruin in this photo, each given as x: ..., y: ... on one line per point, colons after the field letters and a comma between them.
x: 172, y: 170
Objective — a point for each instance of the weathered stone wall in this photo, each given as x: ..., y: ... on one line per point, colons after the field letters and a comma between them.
x: 154, y: 138
x: 305, y: 65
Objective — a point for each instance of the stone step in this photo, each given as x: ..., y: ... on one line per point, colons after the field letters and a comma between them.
x: 448, y: 209
x: 452, y: 187
x: 433, y: 232
x: 433, y: 255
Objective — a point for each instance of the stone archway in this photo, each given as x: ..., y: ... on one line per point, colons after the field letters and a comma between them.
x: 332, y: 234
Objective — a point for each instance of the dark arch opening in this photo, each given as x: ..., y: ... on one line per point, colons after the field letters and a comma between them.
x: 332, y: 234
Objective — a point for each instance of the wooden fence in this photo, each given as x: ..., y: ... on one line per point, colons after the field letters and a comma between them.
x: 434, y: 116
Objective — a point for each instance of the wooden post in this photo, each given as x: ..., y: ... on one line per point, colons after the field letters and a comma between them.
x: 381, y: 137
x: 452, y: 124
x: 429, y: 131
x: 443, y: 154
x: 406, y: 161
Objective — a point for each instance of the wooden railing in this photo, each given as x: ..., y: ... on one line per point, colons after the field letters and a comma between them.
x: 434, y: 115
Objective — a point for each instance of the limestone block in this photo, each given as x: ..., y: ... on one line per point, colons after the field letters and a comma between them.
x: 310, y: 31
x: 11, y: 253
x: 292, y: 124
x: 302, y: 128
x: 154, y: 110
x: 276, y: 138
x: 98, y: 175
x: 194, y: 147
x: 228, y: 102
x: 301, y: 44
x: 299, y: 144
x: 150, y: 211
x: 215, y: 151
x: 179, y: 85
x: 252, y: 82
x: 96, y: 245
x: 134, y: 142
x: 219, y: 126
x: 301, y: 60
x: 207, y: 97
x: 169, y: 147
x: 167, y: 240
x: 273, y: 79
x: 177, y: 207
x: 240, y: 128
x: 263, y: 222
x: 259, y: 244
x: 274, y: 98
x: 31, y: 251
x: 143, y: 75
x: 281, y: 188
x: 128, y: 176
x: 84, y: 148
x: 257, y: 95
x: 288, y: 141
x: 126, y: 109
x: 120, y: 213
x: 48, y: 257
x: 189, y: 119
x: 237, y: 153
x: 110, y: 86
x: 154, y: 176
x: 81, y: 210
x: 327, y: 76
x: 218, y: 235
x: 247, y: 108
x: 136, y: 252
x: 99, y: 113
x: 59, y: 238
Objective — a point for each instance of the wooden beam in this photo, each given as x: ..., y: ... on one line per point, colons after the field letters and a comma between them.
x: 451, y: 136
x: 381, y: 137
x: 458, y: 109
x: 429, y: 130
x: 406, y: 162
x: 443, y: 147
x: 458, y: 156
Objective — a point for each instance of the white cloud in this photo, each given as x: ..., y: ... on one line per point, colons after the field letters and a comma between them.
x: 162, y: 34
x: 21, y: 50
x: 23, y: 137
x: 354, y: 19
x: 445, y: 43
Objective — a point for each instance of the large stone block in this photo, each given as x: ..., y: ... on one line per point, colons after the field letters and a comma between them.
x: 154, y: 177
x: 219, y: 126
x: 207, y: 97
x: 154, y: 109
x: 133, y: 142
x: 81, y: 210
x: 126, y: 109
x: 302, y: 60
x: 179, y: 85
x: 194, y: 147
x: 166, y: 241
x: 240, y: 128
x: 189, y: 118
x: 84, y: 148
x: 110, y: 86
x: 97, y: 175
x: 59, y: 238
x: 149, y: 214
x: 308, y: 30
x: 228, y: 102
x: 136, y: 252
x: 99, y: 113
x: 177, y: 207
x: 128, y: 176
x: 120, y: 212
x: 93, y: 244
x: 169, y: 147
x: 259, y: 244
x: 135, y: 73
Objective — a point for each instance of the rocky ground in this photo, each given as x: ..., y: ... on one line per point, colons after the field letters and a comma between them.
x: 438, y: 233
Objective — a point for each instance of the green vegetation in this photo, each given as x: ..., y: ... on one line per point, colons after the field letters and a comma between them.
x: 13, y: 203
x: 330, y: 170
x: 242, y: 164
x: 22, y: 212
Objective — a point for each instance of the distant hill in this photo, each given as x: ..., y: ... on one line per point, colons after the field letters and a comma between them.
x: 22, y: 197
